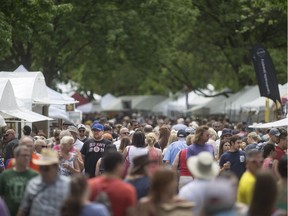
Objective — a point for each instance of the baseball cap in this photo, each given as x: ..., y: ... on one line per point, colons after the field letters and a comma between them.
x: 181, y: 133
x: 274, y: 131
x: 226, y: 131
x: 99, y: 127
x: 72, y: 129
x: 81, y: 126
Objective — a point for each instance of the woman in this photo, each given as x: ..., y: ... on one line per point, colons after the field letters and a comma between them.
x: 136, y: 148
x: 268, y: 155
x: 223, y: 147
x: 154, y: 154
x: 77, y: 203
x: 172, y: 138
x: 138, y: 175
x: 180, y: 163
x: 164, y: 134
x: 264, y: 196
x: 162, y: 193
x: 68, y: 161
x: 125, y: 141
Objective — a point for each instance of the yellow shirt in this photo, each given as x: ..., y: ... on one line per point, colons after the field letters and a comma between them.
x: 246, y: 188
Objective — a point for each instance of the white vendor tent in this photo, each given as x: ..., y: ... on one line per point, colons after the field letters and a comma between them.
x: 10, y: 109
x: 139, y: 102
x: 259, y: 103
x: 279, y: 123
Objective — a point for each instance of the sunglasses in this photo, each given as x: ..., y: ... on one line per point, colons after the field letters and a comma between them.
x: 81, y: 130
x: 127, y: 133
x: 44, y: 146
x: 6, y: 135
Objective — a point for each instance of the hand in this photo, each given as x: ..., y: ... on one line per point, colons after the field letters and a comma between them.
x: 66, y: 166
x: 227, y: 165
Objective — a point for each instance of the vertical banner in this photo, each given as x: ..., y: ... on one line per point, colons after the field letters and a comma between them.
x: 265, y: 74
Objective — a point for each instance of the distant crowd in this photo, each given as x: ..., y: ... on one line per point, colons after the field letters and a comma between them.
x: 145, y: 167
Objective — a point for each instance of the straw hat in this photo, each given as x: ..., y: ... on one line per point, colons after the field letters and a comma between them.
x: 47, y: 157
x: 203, y: 166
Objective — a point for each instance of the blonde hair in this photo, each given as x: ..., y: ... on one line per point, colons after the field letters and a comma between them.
x: 66, y: 139
x: 172, y: 137
x: 151, y: 139
x: 190, y: 139
x: 212, y: 134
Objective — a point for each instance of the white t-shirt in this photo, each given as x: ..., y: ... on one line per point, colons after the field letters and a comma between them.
x: 135, y: 152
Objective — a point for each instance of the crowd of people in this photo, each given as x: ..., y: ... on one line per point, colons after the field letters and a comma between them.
x: 141, y: 168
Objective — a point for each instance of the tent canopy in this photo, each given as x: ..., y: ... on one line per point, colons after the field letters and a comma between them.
x: 279, y: 123
x: 10, y: 109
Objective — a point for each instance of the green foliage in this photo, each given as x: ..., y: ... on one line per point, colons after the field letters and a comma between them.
x: 143, y: 47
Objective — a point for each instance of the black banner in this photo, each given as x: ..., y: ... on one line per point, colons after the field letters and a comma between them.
x: 265, y: 73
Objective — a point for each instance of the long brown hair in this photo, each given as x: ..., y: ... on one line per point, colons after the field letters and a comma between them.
x: 164, y: 133
x: 160, y: 181
x: 264, y: 196
x: 199, y: 132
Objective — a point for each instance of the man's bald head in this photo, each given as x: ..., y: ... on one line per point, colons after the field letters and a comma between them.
x: 28, y: 142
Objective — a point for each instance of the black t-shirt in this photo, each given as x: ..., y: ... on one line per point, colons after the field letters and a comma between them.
x: 93, y: 150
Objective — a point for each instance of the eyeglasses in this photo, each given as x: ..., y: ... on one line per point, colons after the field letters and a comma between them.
x: 126, y: 133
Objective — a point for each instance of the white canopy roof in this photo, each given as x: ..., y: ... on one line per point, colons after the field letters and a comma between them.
x: 259, y: 103
x: 279, y: 123
x: 10, y: 109
x: 30, y: 87
x: 139, y: 102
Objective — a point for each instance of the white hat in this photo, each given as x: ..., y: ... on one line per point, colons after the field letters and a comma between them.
x: 47, y: 157
x: 81, y: 126
x: 202, y: 166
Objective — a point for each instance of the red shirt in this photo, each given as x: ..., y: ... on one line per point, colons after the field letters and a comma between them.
x: 183, y: 163
x: 31, y: 164
x: 121, y: 194
x: 279, y: 153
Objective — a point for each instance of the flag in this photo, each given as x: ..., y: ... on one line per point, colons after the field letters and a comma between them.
x: 265, y: 74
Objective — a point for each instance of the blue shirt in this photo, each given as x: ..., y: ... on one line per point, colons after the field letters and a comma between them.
x: 173, y: 150
x: 142, y: 186
x: 195, y: 149
x: 237, y: 160
x: 94, y: 209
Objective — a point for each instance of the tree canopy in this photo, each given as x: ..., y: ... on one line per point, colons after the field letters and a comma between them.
x: 143, y: 47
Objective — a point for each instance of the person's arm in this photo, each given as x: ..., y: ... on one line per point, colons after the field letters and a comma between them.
x: 97, y: 168
x: 275, y: 169
x: 167, y: 156
x: 125, y: 152
x: 79, y: 159
x: 160, y: 158
x: 176, y: 162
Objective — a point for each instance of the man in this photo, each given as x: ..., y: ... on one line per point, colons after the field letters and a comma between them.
x: 254, y: 162
x: 252, y: 140
x: 124, y: 132
x: 234, y: 158
x: 175, y: 147
x: 13, y: 181
x: 74, y: 132
x: 122, y: 196
x: 93, y: 149
x: 204, y: 169
x: 280, y: 149
x: 45, y: 193
x: 28, y: 142
x: 200, y: 142
x: 180, y: 125
x: 66, y: 124
x: 82, y: 129
x: 11, y: 143
x: 27, y: 130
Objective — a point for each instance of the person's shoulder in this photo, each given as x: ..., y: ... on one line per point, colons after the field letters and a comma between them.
x: 32, y: 172
x: 7, y: 172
